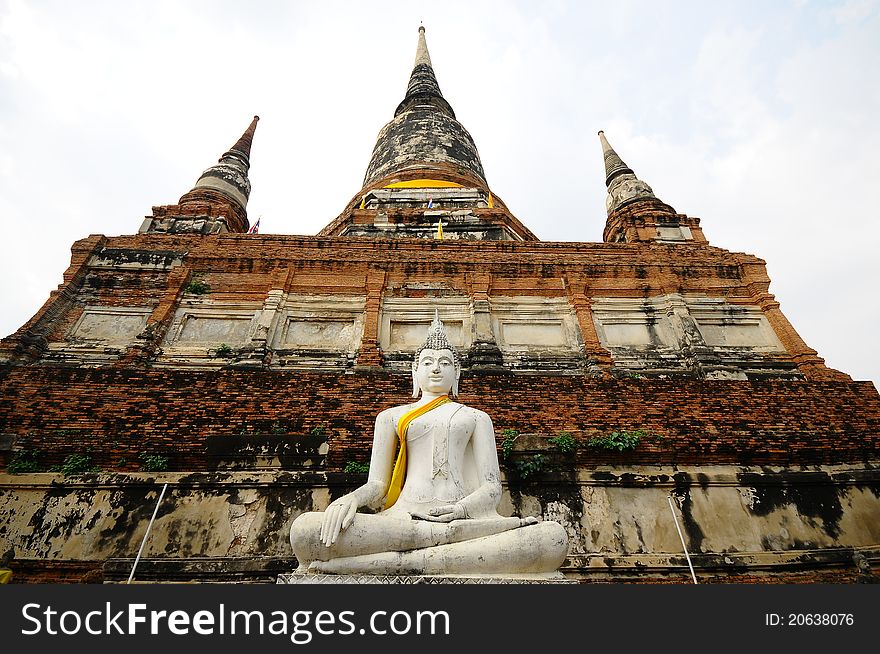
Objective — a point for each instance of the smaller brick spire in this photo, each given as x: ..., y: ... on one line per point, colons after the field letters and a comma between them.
x: 228, y: 178
x: 635, y: 213
x: 243, y: 145
x: 614, y: 165
x: 623, y: 185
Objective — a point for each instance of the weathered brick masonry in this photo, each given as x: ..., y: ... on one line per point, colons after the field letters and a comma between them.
x: 115, y: 414
x: 244, y: 269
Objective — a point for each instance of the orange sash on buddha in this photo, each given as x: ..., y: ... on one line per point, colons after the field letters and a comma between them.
x: 398, y: 476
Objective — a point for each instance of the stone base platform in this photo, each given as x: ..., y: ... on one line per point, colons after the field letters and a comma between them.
x: 306, y: 578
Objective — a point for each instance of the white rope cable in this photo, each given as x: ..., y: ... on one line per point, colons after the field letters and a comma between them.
x: 149, y: 526
x: 681, y: 536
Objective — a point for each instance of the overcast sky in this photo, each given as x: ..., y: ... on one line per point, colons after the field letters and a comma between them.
x: 761, y: 118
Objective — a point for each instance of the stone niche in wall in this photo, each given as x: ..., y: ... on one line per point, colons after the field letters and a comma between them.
x: 210, y: 329
x: 118, y: 325
x: 404, y: 322
x: 694, y: 335
x: 537, y: 333
x: 725, y: 326
x: 673, y: 233
x: 100, y: 335
x: 644, y: 335
x: 318, y: 331
x: 633, y: 323
x: 201, y: 327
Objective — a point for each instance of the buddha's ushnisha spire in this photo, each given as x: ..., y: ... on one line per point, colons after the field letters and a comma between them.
x: 229, y: 176
x: 437, y: 338
x: 623, y: 185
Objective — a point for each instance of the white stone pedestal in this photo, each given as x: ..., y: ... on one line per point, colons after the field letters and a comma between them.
x: 301, y: 578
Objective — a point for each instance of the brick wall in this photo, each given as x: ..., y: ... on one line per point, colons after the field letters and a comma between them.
x: 244, y: 268
x: 118, y: 413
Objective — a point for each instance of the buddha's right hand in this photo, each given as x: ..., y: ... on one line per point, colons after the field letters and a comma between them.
x: 338, y: 516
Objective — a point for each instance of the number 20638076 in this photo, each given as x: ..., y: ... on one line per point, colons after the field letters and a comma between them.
x: 809, y: 619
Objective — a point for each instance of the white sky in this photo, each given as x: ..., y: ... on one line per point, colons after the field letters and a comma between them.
x: 758, y: 117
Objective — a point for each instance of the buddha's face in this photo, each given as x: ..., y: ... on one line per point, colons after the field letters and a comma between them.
x: 435, y: 371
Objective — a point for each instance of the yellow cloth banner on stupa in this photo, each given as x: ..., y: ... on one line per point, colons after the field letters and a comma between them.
x: 424, y: 183
x: 398, y: 476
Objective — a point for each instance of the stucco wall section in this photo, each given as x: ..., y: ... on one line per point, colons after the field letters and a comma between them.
x: 614, y: 515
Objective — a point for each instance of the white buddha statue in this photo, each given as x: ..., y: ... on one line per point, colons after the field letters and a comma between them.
x: 441, y: 494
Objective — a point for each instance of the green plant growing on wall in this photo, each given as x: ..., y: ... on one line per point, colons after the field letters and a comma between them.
x: 153, y: 462
x: 357, y: 467
x: 25, y: 461
x: 619, y: 441
x: 509, y: 437
x: 277, y: 429
x: 530, y: 466
x: 197, y: 286
x: 76, y: 464
x: 223, y: 351
x: 565, y: 443
x: 318, y: 431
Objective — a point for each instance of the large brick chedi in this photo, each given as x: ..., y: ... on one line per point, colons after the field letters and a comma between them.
x: 246, y: 370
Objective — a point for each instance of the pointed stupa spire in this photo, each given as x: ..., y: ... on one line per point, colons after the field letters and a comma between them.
x: 423, y: 87
x: 424, y: 138
x: 614, y: 165
x: 243, y: 145
x: 623, y: 185
x: 422, y: 56
x: 229, y: 176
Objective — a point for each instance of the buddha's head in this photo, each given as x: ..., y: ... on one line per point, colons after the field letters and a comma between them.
x: 436, y: 367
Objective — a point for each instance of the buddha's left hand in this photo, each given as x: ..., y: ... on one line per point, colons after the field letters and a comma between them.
x: 446, y: 513
x: 338, y: 516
